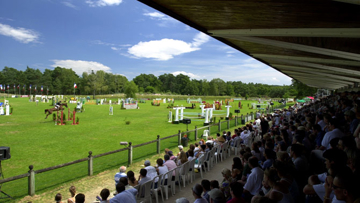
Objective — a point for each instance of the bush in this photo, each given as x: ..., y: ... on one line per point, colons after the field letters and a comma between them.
x: 54, y: 116
x: 127, y: 122
x: 77, y: 119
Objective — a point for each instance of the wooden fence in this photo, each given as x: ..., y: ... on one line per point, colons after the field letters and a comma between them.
x: 217, y: 126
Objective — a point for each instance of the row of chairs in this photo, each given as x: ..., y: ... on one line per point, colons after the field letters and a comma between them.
x: 185, y: 173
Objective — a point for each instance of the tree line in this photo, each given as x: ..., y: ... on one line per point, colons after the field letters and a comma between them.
x: 61, y: 81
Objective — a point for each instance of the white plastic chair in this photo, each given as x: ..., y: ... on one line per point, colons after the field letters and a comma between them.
x: 200, y: 163
x: 184, y: 172
x: 154, y: 191
x: 145, y: 191
x: 236, y: 146
x: 177, y: 179
x: 192, y: 170
x: 206, y: 159
x: 165, y: 186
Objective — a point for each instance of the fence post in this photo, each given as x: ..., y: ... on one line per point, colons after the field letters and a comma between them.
x: 219, y: 126
x: 31, y: 181
x: 130, y: 154
x: 179, y: 138
x: 196, y: 133
x: 242, y: 118
x: 90, y: 164
x: 247, y: 118
x: 228, y: 124
x: 158, y: 144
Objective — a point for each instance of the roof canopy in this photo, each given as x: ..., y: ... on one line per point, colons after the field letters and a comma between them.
x: 314, y: 41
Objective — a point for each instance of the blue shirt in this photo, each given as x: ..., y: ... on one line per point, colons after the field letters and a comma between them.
x: 127, y: 196
x: 118, y: 176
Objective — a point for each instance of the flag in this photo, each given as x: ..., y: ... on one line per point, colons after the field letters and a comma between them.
x: 75, y: 86
x: 18, y: 86
x: 8, y: 86
x: 23, y: 87
x: 35, y: 87
x: 41, y: 88
x: 30, y: 87
x: 1, y: 87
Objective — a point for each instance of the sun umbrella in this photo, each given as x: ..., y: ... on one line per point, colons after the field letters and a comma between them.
x: 310, y: 97
x: 301, y: 101
x: 306, y: 99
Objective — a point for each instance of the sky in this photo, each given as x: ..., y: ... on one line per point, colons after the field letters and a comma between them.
x: 118, y: 36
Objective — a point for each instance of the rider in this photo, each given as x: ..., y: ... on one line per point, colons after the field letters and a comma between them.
x: 58, y: 104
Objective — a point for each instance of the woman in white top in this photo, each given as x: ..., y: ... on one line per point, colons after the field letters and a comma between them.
x: 161, y: 169
x: 191, y: 155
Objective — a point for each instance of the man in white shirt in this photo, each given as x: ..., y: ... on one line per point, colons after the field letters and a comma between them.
x: 244, y: 136
x: 151, y: 171
x: 334, y: 132
x: 254, y: 181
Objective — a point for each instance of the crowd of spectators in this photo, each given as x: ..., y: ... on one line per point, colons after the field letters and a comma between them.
x: 306, y: 153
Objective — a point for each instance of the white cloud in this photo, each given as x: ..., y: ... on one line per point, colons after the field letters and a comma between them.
x: 20, y: 34
x: 166, y: 49
x: 114, y: 48
x: 101, y: 3
x: 81, y: 66
x: 200, y: 39
x: 164, y: 20
x: 191, y: 75
x: 253, y: 63
x: 69, y: 4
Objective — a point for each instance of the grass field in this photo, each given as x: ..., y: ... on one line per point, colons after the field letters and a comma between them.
x: 37, y: 141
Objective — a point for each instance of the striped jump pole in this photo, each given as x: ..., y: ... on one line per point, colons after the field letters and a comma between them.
x: 74, y: 118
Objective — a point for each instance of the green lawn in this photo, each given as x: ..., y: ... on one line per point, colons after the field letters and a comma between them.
x: 37, y: 141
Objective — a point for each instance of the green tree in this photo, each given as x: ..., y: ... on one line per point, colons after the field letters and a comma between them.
x: 150, y: 89
x: 131, y: 89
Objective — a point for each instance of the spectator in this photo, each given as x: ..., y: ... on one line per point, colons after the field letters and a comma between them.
x: 143, y: 178
x: 236, y: 175
x: 206, y: 187
x: 161, y: 169
x: 120, y: 174
x: 170, y: 165
x: 180, y: 150
x: 278, y: 192
x: 197, y: 190
x: 247, y: 169
x: 255, y: 151
x: 237, y: 164
x: 182, y: 200
x: 216, y: 196
x: 151, y: 171
x: 125, y: 181
x: 104, y: 194
x: 254, y: 181
x: 123, y: 195
x: 182, y: 158
x: 80, y: 198
x: 191, y: 155
x: 58, y: 198
x: 236, y: 192
x: 225, y: 184
x: 268, y: 159
x: 72, y: 191
x: 131, y: 178
x: 298, y: 159
x: 171, y: 155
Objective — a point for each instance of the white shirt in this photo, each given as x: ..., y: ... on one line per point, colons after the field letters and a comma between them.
x: 151, y: 172
x: 329, y: 136
x: 322, y: 124
x: 253, y: 183
x: 244, y: 136
x: 163, y: 170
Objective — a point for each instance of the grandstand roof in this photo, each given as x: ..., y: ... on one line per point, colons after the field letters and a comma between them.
x: 314, y: 41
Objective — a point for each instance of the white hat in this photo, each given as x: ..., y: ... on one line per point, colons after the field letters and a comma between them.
x: 181, y: 147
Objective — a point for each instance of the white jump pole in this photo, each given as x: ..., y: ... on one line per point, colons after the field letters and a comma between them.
x: 176, y: 121
x: 7, y: 107
x: 210, y: 114
x: 170, y: 117
x: 181, y: 113
x: 213, y: 106
x: 1, y: 110
x: 202, y: 110
x: 227, y: 111
x: 207, y: 117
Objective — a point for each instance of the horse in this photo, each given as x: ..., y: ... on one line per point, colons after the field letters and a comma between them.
x: 50, y: 111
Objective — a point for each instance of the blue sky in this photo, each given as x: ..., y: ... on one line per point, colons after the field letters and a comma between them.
x: 119, y: 36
